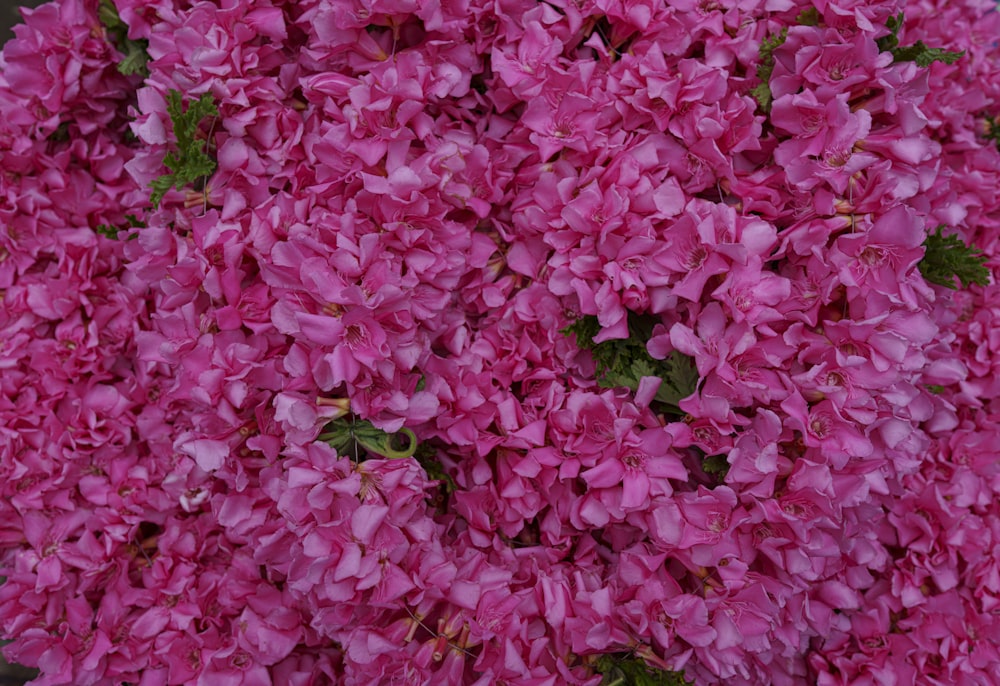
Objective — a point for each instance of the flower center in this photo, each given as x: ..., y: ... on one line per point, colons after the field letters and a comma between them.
x: 634, y: 460
x: 820, y: 425
x: 696, y: 257
x: 718, y: 522
x: 355, y: 335
x: 872, y: 256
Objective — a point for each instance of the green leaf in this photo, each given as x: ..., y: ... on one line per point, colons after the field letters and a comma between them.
x: 135, y: 51
x: 625, y: 669
x: 160, y: 187
x: 924, y: 56
x: 107, y: 13
x: 624, y: 362
x: 680, y: 379
x: 189, y: 162
x: 809, y: 17
x: 135, y: 59
x: 113, y: 232
x: 61, y: 134
x: 762, y: 92
x: 349, y: 436
x: 947, y: 257
x: 772, y: 43
x: 427, y: 456
x: 935, y: 389
x: 918, y: 52
x: 887, y: 43
x: 107, y: 231
x: 715, y: 465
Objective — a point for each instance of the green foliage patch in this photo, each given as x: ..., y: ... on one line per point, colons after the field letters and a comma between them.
x: 624, y: 362
x: 946, y: 257
x: 189, y: 162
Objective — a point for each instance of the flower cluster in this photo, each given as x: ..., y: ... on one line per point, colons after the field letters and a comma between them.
x: 399, y: 341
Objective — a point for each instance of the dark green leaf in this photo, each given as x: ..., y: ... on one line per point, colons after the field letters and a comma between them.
x: 715, y: 465
x: 680, y: 379
x: 624, y: 362
x: 348, y: 436
x: 427, y: 455
x: 947, y: 257
x: 107, y: 231
x: 889, y: 42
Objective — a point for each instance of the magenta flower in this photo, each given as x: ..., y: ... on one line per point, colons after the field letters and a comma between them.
x: 390, y: 219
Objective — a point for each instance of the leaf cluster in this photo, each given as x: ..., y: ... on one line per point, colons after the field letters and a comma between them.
x: 762, y: 92
x: 349, y: 436
x: 946, y: 257
x: 135, y: 51
x: 624, y: 362
x: 625, y: 669
x: 918, y: 52
x: 189, y: 162
x: 109, y: 231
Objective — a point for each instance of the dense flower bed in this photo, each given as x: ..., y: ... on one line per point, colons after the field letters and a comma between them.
x: 512, y: 342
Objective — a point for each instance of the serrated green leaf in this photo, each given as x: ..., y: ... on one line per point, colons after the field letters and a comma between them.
x: 947, y: 257
x: 772, y: 43
x: 762, y: 92
x: 189, y: 162
x: 809, y: 17
x: 134, y: 61
x: 625, y: 669
x: 918, y: 52
x: 113, y: 232
x: 160, y: 187
x: 925, y: 56
x: 135, y: 51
